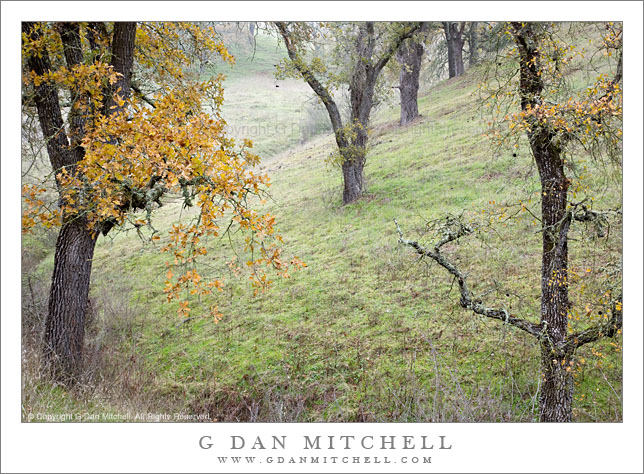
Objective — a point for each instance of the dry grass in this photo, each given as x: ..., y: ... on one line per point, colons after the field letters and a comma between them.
x: 112, y: 379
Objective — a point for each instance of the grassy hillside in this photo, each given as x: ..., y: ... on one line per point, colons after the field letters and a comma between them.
x: 367, y: 332
x: 275, y: 114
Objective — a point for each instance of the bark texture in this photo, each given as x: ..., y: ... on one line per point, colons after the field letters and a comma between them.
x: 68, y: 297
x: 557, y: 386
x: 410, y: 55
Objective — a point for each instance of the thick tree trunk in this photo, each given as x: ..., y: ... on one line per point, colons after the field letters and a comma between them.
x: 409, y: 56
x: 457, y: 55
x: 353, y: 161
x: 352, y: 172
x: 68, y: 297
x: 555, y: 397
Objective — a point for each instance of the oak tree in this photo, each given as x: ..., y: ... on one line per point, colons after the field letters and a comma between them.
x: 562, y: 124
x: 365, y: 49
x: 125, y: 127
x: 409, y: 57
x: 455, y: 37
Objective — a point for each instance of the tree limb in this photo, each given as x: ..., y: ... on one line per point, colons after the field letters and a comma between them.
x: 594, y: 333
x: 309, y: 77
x: 121, y: 61
x: 467, y: 300
x: 47, y: 104
x: 462, y: 28
x: 135, y: 87
x: 395, y: 44
x: 70, y: 35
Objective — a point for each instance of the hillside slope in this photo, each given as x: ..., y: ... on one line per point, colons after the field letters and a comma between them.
x: 366, y: 332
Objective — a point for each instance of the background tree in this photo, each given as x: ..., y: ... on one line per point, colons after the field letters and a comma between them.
x: 455, y: 38
x: 410, y: 56
x: 252, y: 31
x: 113, y: 153
x: 560, y: 123
x: 367, y: 48
x: 473, y: 43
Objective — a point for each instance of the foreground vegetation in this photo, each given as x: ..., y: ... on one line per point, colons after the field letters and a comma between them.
x: 366, y: 332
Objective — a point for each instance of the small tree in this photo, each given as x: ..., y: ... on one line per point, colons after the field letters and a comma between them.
x: 114, y: 150
x: 559, y: 124
x: 366, y: 48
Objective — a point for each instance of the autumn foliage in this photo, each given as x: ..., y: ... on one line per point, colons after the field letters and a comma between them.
x: 588, y: 117
x: 150, y: 147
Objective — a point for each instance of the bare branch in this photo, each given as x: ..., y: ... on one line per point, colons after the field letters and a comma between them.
x: 607, y: 329
x: 579, y: 212
x: 453, y: 230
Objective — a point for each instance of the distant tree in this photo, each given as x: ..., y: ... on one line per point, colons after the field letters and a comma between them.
x: 454, y: 35
x: 409, y: 56
x: 365, y: 48
x: 116, y: 148
x: 560, y: 124
x: 473, y: 43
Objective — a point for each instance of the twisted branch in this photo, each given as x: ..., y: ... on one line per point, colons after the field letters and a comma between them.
x: 453, y: 231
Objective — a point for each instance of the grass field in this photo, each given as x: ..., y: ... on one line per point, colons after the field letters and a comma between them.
x: 367, y: 332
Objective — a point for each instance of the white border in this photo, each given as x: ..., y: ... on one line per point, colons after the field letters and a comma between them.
x: 173, y: 448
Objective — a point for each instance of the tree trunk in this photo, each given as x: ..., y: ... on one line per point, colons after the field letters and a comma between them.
x: 473, y: 44
x: 457, y: 54
x: 556, y: 388
x: 409, y: 56
x: 455, y: 40
x: 352, y: 172
x: 555, y: 397
x: 68, y: 297
x: 353, y: 161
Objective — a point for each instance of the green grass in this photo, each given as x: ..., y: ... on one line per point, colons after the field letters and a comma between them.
x: 275, y: 114
x: 366, y: 332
